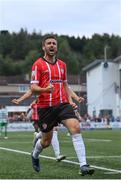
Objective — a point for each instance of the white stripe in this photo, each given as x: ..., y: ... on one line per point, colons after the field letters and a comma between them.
x: 35, y: 73
x: 67, y: 161
x: 50, y: 78
x: 60, y: 83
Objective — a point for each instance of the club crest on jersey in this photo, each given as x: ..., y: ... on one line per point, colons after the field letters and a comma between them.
x: 62, y: 70
x: 33, y: 75
x: 44, y: 126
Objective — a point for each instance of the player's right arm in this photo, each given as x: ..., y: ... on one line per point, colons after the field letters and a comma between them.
x: 37, y: 89
x: 36, y: 78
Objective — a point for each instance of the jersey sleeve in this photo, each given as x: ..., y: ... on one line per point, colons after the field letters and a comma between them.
x: 36, y: 73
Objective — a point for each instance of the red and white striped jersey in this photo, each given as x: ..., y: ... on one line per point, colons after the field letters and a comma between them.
x: 44, y: 73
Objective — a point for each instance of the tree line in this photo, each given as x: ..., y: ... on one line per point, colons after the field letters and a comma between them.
x: 18, y: 51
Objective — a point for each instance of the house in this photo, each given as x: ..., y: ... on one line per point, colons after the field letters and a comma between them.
x: 104, y: 87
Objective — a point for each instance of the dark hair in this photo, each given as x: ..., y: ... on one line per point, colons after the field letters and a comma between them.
x: 48, y: 36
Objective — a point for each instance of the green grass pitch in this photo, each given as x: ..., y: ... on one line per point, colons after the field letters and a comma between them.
x: 103, y: 149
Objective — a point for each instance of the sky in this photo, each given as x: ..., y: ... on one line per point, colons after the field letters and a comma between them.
x: 63, y: 17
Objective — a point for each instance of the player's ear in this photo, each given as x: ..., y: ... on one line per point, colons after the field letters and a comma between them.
x: 43, y: 48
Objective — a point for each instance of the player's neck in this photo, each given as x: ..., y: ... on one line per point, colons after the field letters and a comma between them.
x: 50, y: 59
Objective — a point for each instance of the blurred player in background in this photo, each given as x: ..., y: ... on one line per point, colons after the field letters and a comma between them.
x: 3, y: 120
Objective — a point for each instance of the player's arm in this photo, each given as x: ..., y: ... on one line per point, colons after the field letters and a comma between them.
x: 69, y: 96
x: 72, y: 94
x: 37, y: 89
x: 36, y: 78
x: 75, y: 96
x: 22, y: 98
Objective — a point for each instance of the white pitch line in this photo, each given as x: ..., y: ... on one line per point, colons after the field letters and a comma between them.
x: 28, y: 142
x: 100, y: 140
x: 96, y: 157
x: 101, y: 157
x: 92, y: 140
x: 67, y: 161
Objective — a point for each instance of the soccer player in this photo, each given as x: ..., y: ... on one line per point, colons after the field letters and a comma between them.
x: 3, y: 120
x: 49, y: 79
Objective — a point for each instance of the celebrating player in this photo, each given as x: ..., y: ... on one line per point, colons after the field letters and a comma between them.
x: 49, y: 80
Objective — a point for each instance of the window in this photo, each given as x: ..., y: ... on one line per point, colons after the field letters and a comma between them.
x: 23, y: 88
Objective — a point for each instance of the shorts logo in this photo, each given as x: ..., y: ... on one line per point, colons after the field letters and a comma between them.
x: 44, y: 126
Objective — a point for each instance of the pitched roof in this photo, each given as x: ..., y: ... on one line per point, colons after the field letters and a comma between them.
x: 94, y: 64
x: 117, y: 59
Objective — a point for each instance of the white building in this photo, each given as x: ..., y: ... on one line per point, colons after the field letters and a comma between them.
x: 104, y: 87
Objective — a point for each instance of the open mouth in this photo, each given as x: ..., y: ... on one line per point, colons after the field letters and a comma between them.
x: 51, y: 50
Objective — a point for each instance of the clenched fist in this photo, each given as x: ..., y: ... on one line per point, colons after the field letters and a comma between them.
x: 50, y: 88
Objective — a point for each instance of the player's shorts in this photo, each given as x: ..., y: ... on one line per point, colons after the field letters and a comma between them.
x: 52, y: 116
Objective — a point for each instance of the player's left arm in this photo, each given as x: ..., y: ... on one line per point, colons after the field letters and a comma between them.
x: 75, y: 96
x: 69, y: 95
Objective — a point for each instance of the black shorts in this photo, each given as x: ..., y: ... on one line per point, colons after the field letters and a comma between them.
x: 52, y: 116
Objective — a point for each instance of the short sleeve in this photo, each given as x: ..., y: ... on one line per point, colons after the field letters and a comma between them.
x: 35, y: 75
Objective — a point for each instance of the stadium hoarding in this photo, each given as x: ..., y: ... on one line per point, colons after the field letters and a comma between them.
x: 16, y: 108
x: 27, y: 126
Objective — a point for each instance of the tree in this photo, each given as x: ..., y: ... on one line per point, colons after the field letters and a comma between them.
x: 5, y: 44
x: 69, y: 56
